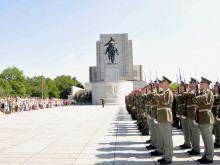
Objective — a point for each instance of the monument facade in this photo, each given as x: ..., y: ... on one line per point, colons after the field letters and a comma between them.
x: 124, y: 60
x: 114, y: 76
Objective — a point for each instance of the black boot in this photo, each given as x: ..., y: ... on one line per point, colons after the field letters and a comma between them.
x: 206, y: 161
x: 193, y: 152
x: 148, y: 141
x: 150, y: 147
x: 156, y: 153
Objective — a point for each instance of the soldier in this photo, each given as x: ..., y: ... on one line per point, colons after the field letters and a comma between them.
x: 127, y: 103
x: 136, y: 110
x: 206, y: 120
x: 165, y: 119
x: 215, y: 111
x: 174, y: 109
x: 191, y: 112
x: 181, y: 111
x: 151, y: 117
x: 159, y: 144
x: 139, y: 110
x: 144, y: 130
x: 103, y: 102
x: 133, y: 105
x: 147, y: 111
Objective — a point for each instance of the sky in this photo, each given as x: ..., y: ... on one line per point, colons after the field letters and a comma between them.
x: 58, y: 37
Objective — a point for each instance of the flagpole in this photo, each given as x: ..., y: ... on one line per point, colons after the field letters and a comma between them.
x: 42, y: 86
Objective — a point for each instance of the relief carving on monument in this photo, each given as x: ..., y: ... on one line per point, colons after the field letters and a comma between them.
x: 111, y: 91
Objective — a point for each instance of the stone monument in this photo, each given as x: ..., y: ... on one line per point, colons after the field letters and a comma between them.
x: 115, y: 76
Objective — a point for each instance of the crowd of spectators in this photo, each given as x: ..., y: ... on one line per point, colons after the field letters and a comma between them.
x: 26, y: 104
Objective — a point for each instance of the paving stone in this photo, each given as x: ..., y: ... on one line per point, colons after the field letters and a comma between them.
x: 81, y: 135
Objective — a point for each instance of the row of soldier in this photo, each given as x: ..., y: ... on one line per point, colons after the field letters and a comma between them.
x: 155, y: 109
x: 83, y: 97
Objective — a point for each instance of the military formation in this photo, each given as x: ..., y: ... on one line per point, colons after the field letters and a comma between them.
x: 192, y: 107
x: 83, y: 97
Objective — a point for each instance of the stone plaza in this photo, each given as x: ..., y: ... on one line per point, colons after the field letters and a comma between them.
x: 80, y: 135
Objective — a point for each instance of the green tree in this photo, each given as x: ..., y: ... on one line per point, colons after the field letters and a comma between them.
x: 35, y: 87
x: 5, y: 88
x: 173, y: 86
x: 52, y: 89
x: 16, y: 79
x: 64, y: 84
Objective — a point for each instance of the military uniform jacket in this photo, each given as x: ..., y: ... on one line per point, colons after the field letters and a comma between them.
x: 153, y: 108
x: 127, y: 101
x: 181, y: 104
x: 205, y: 100
x: 141, y: 104
x: 191, y: 104
x: 146, y: 104
x: 216, y: 103
x: 164, y: 108
x: 134, y: 101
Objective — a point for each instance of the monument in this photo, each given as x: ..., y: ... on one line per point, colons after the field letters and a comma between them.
x: 115, y: 76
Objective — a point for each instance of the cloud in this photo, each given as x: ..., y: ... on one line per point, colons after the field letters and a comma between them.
x: 68, y: 58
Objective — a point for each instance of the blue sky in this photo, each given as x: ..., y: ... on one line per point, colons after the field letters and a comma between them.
x: 58, y: 37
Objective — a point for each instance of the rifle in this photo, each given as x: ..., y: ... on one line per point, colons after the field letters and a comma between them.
x: 218, y: 89
x: 158, y: 90
x: 185, y: 108
x: 218, y: 116
x: 178, y: 87
x: 146, y: 90
x: 197, y: 109
x: 151, y: 84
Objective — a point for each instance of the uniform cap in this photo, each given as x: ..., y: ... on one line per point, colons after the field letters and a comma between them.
x: 217, y: 83
x: 204, y: 80
x: 192, y: 80
x: 165, y: 79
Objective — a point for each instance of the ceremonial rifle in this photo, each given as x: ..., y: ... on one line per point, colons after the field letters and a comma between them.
x: 218, y: 88
x: 185, y: 108
x: 217, y: 98
x: 146, y: 90
x: 178, y: 87
x: 158, y: 90
x: 197, y: 109
x: 151, y: 84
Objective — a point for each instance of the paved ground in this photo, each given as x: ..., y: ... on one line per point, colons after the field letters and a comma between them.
x: 79, y: 135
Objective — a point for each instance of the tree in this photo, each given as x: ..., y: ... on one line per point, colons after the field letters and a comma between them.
x: 174, y: 86
x: 13, y: 83
x: 64, y: 84
x: 16, y: 80
x: 52, y: 91
x: 5, y: 88
x: 34, y: 86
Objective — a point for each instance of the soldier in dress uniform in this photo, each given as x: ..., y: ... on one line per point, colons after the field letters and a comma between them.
x: 151, y: 117
x: 138, y: 109
x: 215, y: 111
x: 147, y: 111
x: 165, y: 119
x: 181, y: 112
x: 191, y: 112
x: 159, y: 139
x: 103, y: 102
x: 174, y: 109
x: 145, y: 129
x: 206, y: 120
